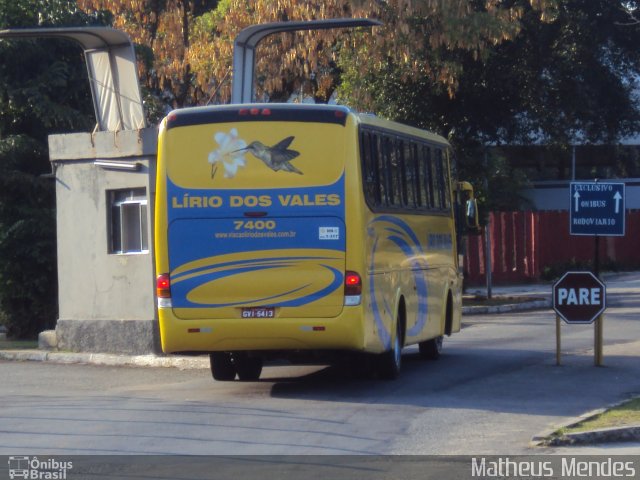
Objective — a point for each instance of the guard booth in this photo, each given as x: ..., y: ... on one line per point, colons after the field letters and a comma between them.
x: 104, y: 195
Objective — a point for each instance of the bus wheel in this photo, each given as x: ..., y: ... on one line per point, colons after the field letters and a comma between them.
x: 431, y: 349
x: 248, y: 368
x: 389, y: 363
x: 222, y: 367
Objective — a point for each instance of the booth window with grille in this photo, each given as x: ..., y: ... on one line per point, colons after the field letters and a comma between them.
x: 128, y: 221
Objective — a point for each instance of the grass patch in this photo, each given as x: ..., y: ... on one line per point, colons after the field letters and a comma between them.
x: 627, y: 413
x: 18, y: 344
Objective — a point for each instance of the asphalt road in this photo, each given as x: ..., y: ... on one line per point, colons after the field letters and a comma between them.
x: 495, y: 387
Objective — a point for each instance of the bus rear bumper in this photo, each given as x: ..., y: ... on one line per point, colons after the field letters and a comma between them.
x: 343, y: 332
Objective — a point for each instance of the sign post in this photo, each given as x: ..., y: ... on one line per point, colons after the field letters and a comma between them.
x: 599, y: 341
x: 580, y: 298
x: 558, y: 341
x: 597, y: 209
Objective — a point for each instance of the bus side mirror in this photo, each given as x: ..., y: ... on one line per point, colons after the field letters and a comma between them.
x: 471, y: 216
x: 471, y: 223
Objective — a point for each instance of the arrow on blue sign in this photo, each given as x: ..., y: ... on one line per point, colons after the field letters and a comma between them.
x: 617, y: 197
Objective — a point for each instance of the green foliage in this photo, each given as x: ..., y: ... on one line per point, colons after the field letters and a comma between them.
x: 27, y: 238
x: 498, y: 186
x: 43, y: 89
x: 568, y: 78
x: 208, y: 22
x: 567, y: 81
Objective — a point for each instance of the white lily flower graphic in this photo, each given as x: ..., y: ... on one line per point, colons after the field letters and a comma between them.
x: 228, y: 153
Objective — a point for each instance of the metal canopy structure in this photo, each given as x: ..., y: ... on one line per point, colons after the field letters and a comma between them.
x: 247, y: 40
x: 111, y: 63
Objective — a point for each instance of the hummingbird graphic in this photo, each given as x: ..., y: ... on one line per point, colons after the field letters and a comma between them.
x: 277, y: 157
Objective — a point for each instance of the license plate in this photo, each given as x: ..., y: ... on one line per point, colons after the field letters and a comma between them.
x: 258, y: 312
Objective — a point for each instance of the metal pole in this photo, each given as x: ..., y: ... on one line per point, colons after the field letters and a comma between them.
x: 487, y: 236
x: 598, y: 341
x: 558, y: 341
x: 247, y: 40
x: 596, y: 258
x: 487, y: 257
x: 598, y: 330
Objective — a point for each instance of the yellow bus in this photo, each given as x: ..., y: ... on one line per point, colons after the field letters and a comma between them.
x: 304, y: 232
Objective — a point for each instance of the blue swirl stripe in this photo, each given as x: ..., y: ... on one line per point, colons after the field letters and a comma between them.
x: 401, y: 235
x: 406, y: 229
x: 186, y: 282
x: 383, y: 333
x: 284, y: 261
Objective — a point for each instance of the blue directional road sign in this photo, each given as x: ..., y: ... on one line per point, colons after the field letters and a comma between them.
x: 597, y: 208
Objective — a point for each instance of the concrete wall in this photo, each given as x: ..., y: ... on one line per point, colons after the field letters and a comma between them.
x: 106, y: 300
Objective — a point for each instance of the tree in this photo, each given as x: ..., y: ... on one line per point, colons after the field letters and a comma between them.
x: 43, y: 88
x: 185, y: 46
x: 191, y: 42
x: 567, y: 75
x: 483, y: 72
x: 568, y: 81
x: 415, y: 38
x: 300, y: 62
x: 162, y: 30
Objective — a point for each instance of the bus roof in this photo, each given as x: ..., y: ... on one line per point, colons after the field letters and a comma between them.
x: 258, y: 111
x: 399, y: 128
x: 290, y: 111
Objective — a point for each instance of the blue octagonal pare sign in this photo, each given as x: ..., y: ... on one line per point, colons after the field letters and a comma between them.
x: 597, y: 208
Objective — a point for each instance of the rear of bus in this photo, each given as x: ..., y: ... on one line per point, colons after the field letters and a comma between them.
x: 251, y: 230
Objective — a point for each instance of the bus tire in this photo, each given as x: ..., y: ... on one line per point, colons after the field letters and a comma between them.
x: 389, y: 363
x: 222, y: 367
x: 247, y: 367
x: 432, y: 348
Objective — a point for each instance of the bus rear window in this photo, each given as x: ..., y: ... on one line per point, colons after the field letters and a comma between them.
x: 254, y: 155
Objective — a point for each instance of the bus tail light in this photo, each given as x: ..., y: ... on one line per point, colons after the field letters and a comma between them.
x: 163, y: 290
x: 352, y: 288
x: 254, y: 112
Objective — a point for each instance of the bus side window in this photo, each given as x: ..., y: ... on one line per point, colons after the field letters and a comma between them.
x: 387, y: 179
x: 370, y: 175
x: 382, y: 170
x: 446, y: 185
x: 395, y: 170
x: 437, y: 179
x: 409, y: 170
x: 415, y: 176
x: 421, y: 175
x: 428, y: 177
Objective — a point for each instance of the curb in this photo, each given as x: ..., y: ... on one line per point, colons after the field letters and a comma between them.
x: 603, y: 435
x: 107, y: 359
x: 629, y: 433
x: 510, y: 307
